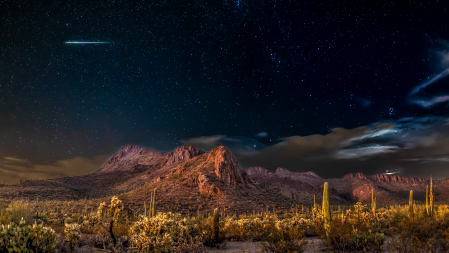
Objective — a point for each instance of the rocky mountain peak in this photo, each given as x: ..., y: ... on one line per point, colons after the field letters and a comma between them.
x: 282, y: 171
x: 129, y: 156
x: 225, y: 164
x: 358, y: 175
x: 131, y: 148
x: 397, y: 179
x: 308, y: 174
x: 183, y: 153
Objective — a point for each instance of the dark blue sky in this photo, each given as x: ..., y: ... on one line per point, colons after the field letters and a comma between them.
x: 177, y: 70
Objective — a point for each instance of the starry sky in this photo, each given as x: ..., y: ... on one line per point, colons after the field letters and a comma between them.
x: 329, y: 86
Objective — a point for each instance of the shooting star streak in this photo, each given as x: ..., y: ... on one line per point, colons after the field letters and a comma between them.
x: 86, y: 42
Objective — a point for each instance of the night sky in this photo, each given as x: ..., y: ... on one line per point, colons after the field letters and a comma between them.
x: 327, y: 86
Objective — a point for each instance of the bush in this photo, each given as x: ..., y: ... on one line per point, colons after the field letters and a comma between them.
x: 26, y: 238
x: 164, y: 233
x: 72, y: 235
x: 283, y: 239
x: 426, y: 234
x: 357, y: 230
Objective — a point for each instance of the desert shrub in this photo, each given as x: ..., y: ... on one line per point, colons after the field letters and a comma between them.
x: 15, y: 211
x: 68, y: 220
x: 255, y: 228
x: 283, y: 238
x: 357, y: 230
x: 72, y: 236
x: 26, y: 238
x: 165, y: 232
x: 242, y: 229
x: 425, y: 234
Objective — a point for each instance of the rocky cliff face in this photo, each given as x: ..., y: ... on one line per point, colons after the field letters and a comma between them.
x: 225, y: 164
x: 398, y: 179
x: 183, y: 153
x: 207, y: 188
x: 358, y: 175
x: 129, y: 156
x: 308, y: 174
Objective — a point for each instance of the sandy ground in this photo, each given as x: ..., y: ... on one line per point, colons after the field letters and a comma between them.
x: 314, y: 245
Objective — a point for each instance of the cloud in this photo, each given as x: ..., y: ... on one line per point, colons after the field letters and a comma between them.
x: 409, y: 146
x: 238, y: 144
x: 13, y: 169
x: 365, y: 151
x: 262, y: 134
x: 429, y: 101
x: 206, y: 142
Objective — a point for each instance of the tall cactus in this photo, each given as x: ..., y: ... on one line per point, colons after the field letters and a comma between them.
x: 427, y: 199
x: 144, y: 209
x: 153, y: 208
x: 326, y: 208
x: 373, y: 202
x: 411, y: 213
x: 432, y: 197
x: 216, y: 223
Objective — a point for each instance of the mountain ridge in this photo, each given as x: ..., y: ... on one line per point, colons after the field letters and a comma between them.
x: 190, y: 179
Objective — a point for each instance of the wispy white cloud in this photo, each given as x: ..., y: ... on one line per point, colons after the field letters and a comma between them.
x: 262, y: 134
x: 365, y: 151
x: 436, y: 99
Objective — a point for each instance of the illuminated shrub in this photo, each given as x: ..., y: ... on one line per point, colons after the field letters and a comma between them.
x: 26, y: 238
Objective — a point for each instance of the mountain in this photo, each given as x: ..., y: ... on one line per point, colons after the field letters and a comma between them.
x: 354, y: 187
x: 191, y: 180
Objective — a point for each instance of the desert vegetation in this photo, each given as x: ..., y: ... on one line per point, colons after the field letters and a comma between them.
x: 89, y: 226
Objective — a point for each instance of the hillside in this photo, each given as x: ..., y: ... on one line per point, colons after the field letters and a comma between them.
x: 191, y: 180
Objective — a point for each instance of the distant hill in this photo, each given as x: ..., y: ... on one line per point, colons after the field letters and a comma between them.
x: 189, y: 179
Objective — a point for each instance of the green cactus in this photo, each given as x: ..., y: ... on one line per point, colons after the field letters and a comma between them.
x: 26, y: 238
x: 326, y: 208
x: 427, y: 199
x: 411, y: 213
x: 432, y: 197
x: 373, y: 202
x: 216, y: 221
x: 153, y: 208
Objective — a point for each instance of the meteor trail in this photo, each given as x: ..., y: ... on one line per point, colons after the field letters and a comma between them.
x: 86, y: 42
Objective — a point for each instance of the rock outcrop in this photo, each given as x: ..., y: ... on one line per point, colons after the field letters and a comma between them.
x: 358, y: 175
x: 206, y: 188
x: 129, y: 156
x: 183, y: 153
x: 282, y: 171
x: 308, y: 174
x: 398, y: 179
x: 225, y: 164
x: 257, y: 171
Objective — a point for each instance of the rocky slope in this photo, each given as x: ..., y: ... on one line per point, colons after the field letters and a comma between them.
x: 354, y: 187
x: 190, y: 180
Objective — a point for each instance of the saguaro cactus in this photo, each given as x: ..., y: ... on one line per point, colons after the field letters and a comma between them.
x: 153, y: 209
x: 427, y: 199
x: 432, y: 197
x: 216, y: 230
x: 411, y: 213
x: 326, y: 208
x: 373, y: 202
